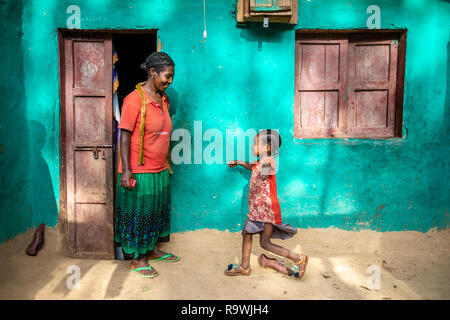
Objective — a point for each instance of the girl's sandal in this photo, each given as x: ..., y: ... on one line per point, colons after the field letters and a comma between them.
x: 237, y: 270
x: 299, y: 267
x: 274, y: 264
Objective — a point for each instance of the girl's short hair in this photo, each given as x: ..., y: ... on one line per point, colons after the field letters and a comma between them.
x: 157, y: 61
x: 272, y: 138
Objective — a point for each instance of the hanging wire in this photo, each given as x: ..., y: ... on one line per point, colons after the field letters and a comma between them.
x: 205, y: 34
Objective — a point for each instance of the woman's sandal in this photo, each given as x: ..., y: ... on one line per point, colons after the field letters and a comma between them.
x: 274, y: 264
x: 237, y: 270
x: 164, y: 258
x: 143, y: 275
x: 299, y: 267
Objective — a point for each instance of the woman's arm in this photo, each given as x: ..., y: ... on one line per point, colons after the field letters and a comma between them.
x: 244, y: 164
x: 125, y: 138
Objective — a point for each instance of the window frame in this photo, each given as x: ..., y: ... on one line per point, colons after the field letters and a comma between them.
x: 349, y: 36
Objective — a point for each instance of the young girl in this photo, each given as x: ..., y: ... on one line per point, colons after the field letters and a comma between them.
x: 264, y: 215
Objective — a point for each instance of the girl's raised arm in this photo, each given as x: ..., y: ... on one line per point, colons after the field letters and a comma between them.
x: 248, y: 165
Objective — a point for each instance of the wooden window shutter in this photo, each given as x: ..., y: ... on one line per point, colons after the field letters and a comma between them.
x: 372, y: 81
x: 349, y: 85
x: 321, y: 67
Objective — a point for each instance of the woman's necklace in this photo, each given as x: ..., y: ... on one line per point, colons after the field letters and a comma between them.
x: 150, y: 94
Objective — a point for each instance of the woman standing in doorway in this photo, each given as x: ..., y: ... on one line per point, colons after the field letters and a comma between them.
x: 142, y: 205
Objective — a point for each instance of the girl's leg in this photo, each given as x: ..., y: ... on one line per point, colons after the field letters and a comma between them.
x: 267, y: 244
x: 246, y: 250
x: 244, y: 268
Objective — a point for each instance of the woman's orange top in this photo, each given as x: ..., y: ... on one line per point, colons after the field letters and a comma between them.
x: 158, y: 128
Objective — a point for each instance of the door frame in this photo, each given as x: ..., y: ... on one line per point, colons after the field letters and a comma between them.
x: 62, y: 33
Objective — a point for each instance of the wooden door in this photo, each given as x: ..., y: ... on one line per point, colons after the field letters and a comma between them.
x: 372, y: 82
x: 86, y: 144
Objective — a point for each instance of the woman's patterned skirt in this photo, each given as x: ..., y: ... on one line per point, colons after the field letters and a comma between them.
x: 142, y: 214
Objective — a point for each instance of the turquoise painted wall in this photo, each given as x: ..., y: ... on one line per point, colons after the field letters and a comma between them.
x: 238, y: 78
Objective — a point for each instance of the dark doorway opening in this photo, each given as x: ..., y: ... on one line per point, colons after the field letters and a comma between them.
x: 132, y: 50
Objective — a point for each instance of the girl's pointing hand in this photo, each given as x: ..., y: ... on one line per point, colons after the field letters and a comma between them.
x: 232, y: 164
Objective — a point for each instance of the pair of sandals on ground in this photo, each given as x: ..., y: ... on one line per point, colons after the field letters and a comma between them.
x: 298, y: 270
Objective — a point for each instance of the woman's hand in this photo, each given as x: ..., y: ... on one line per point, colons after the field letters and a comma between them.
x: 125, y: 179
x: 125, y: 138
x: 233, y: 163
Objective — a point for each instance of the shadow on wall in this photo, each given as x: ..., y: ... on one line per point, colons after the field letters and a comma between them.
x: 173, y: 101
x: 43, y: 202
x: 28, y: 200
x: 447, y: 94
x: 445, y: 191
x: 27, y: 194
x: 255, y: 32
x: 15, y: 214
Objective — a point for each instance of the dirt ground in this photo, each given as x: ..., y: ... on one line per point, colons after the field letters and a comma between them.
x: 412, y: 265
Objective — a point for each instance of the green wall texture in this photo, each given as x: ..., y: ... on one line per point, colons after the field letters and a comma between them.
x: 239, y: 78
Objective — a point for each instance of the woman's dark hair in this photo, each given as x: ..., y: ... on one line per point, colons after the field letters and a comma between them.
x: 272, y: 138
x: 157, y: 61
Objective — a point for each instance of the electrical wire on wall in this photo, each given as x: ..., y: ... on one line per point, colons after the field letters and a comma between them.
x: 205, y: 34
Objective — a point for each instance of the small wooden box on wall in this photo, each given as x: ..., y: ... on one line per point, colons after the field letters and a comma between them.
x: 278, y: 11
